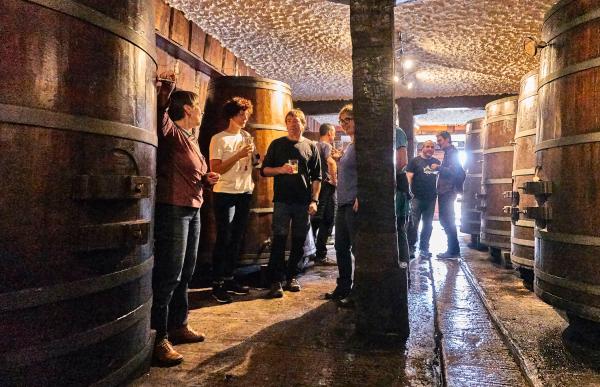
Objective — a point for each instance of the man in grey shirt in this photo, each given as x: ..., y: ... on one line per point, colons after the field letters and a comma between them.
x: 345, y: 231
x: 322, y: 221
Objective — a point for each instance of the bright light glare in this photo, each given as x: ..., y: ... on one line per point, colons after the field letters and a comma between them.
x: 410, y: 85
x: 408, y: 64
x: 396, y: 79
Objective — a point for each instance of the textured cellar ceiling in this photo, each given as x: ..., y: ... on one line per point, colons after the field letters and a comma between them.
x: 448, y: 116
x: 460, y: 47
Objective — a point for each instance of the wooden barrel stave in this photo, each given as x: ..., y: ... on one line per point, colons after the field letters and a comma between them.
x: 470, y: 222
x: 496, y: 171
x: 271, y: 100
x: 522, y: 239
x: 567, y: 249
x: 79, y: 125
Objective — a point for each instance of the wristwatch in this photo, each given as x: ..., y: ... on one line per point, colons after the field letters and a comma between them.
x: 315, y: 201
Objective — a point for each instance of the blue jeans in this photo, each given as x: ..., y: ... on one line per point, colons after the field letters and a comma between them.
x: 231, y: 216
x: 322, y: 221
x: 345, y: 233
x: 283, y: 214
x: 421, y: 210
x: 446, y: 204
x: 177, y: 235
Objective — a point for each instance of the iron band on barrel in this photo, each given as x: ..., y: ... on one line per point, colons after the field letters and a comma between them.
x: 499, y: 149
x: 525, y: 133
x: 588, y: 64
x: 501, y: 118
x: 585, y: 18
x: 498, y: 218
x: 567, y: 283
x: 43, y: 351
x: 29, y: 298
x: 253, y: 83
x: 498, y: 181
x: 23, y: 115
x: 523, y: 172
x: 569, y: 140
x: 584, y: 240
x: 100, y: 20
x: 523, y: 242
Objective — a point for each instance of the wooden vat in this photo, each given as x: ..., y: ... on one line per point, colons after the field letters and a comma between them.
x: 271, y: 100
x: 567, y: 235
x: 501, y: 118
x: 470, y: 220
x: 522, y: 240
x: 78, y: 140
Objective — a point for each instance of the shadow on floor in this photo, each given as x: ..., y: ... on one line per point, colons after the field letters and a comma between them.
x: 318, y: 348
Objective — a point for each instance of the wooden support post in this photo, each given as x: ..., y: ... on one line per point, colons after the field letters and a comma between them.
x: 380, y: 278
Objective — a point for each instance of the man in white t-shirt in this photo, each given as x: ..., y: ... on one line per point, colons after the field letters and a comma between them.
x: 231, y: 155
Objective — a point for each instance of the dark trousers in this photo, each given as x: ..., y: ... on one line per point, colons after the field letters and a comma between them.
x: 421, y: 209
x: 345, y: 233
x: 402, y: 206
x: 283, y: 214
x: 231, y: 217
x: 177, y: 235
x: 322, y: 222
x: 446, y: 206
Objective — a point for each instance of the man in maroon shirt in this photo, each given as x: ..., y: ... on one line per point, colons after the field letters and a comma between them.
x: 181, y: 172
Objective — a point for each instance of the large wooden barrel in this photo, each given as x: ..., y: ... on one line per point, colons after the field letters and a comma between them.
x: 567, y: 236
x: 78, y: 140
x: 470, y: 220
x: 500, y: 123
x: 522, y: 241
x: 272, y: 100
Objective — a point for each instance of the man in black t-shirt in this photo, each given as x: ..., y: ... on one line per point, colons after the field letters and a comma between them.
x: 295, y: 164
x: 422, y: 180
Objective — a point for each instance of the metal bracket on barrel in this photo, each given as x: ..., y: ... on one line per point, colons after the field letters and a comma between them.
x: 514, y: 197
x: 113, y: 236
x: 111, y: 187
x: 478, y: 196
x: 540, y: 189
x: 541, y: 215
x: 514, y: 212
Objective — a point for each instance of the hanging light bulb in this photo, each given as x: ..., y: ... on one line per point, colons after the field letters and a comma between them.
x: 408, y: 64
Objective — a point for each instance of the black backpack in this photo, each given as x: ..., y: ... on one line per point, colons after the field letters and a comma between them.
x: 459, y: 179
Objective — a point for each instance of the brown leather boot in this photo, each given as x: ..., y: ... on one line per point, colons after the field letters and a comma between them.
x: 165, y: 355
x: 185, y: 334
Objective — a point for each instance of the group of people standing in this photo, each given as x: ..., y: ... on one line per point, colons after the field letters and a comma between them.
x: 431, y: 179
x: 306, y: 177
x: 313, y: 183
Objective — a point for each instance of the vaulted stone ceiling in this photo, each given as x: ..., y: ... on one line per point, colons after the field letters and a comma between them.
x: 460, y: 47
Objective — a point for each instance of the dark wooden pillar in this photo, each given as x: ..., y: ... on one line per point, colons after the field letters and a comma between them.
x: 407, y: 123
x: 380, y: 279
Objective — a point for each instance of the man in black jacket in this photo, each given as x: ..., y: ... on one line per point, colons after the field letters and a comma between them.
x: 450, y: 171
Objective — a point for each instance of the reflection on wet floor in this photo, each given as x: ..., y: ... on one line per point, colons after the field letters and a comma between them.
x: 304, y: 340
x: 474, y: 353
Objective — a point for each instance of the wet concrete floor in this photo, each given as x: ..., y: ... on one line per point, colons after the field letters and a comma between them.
x: 304, y: 340
x: 533, y: 329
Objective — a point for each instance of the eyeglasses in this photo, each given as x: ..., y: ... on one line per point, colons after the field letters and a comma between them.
x: 346, y: 120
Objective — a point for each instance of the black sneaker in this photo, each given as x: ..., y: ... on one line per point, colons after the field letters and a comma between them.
x: 292, y: 285
x: 448, y: 255
x: 337, y: 294
x: 220, y: 294
x: 325, y: 261
x: 236, y: 288
x: 276, y: 291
